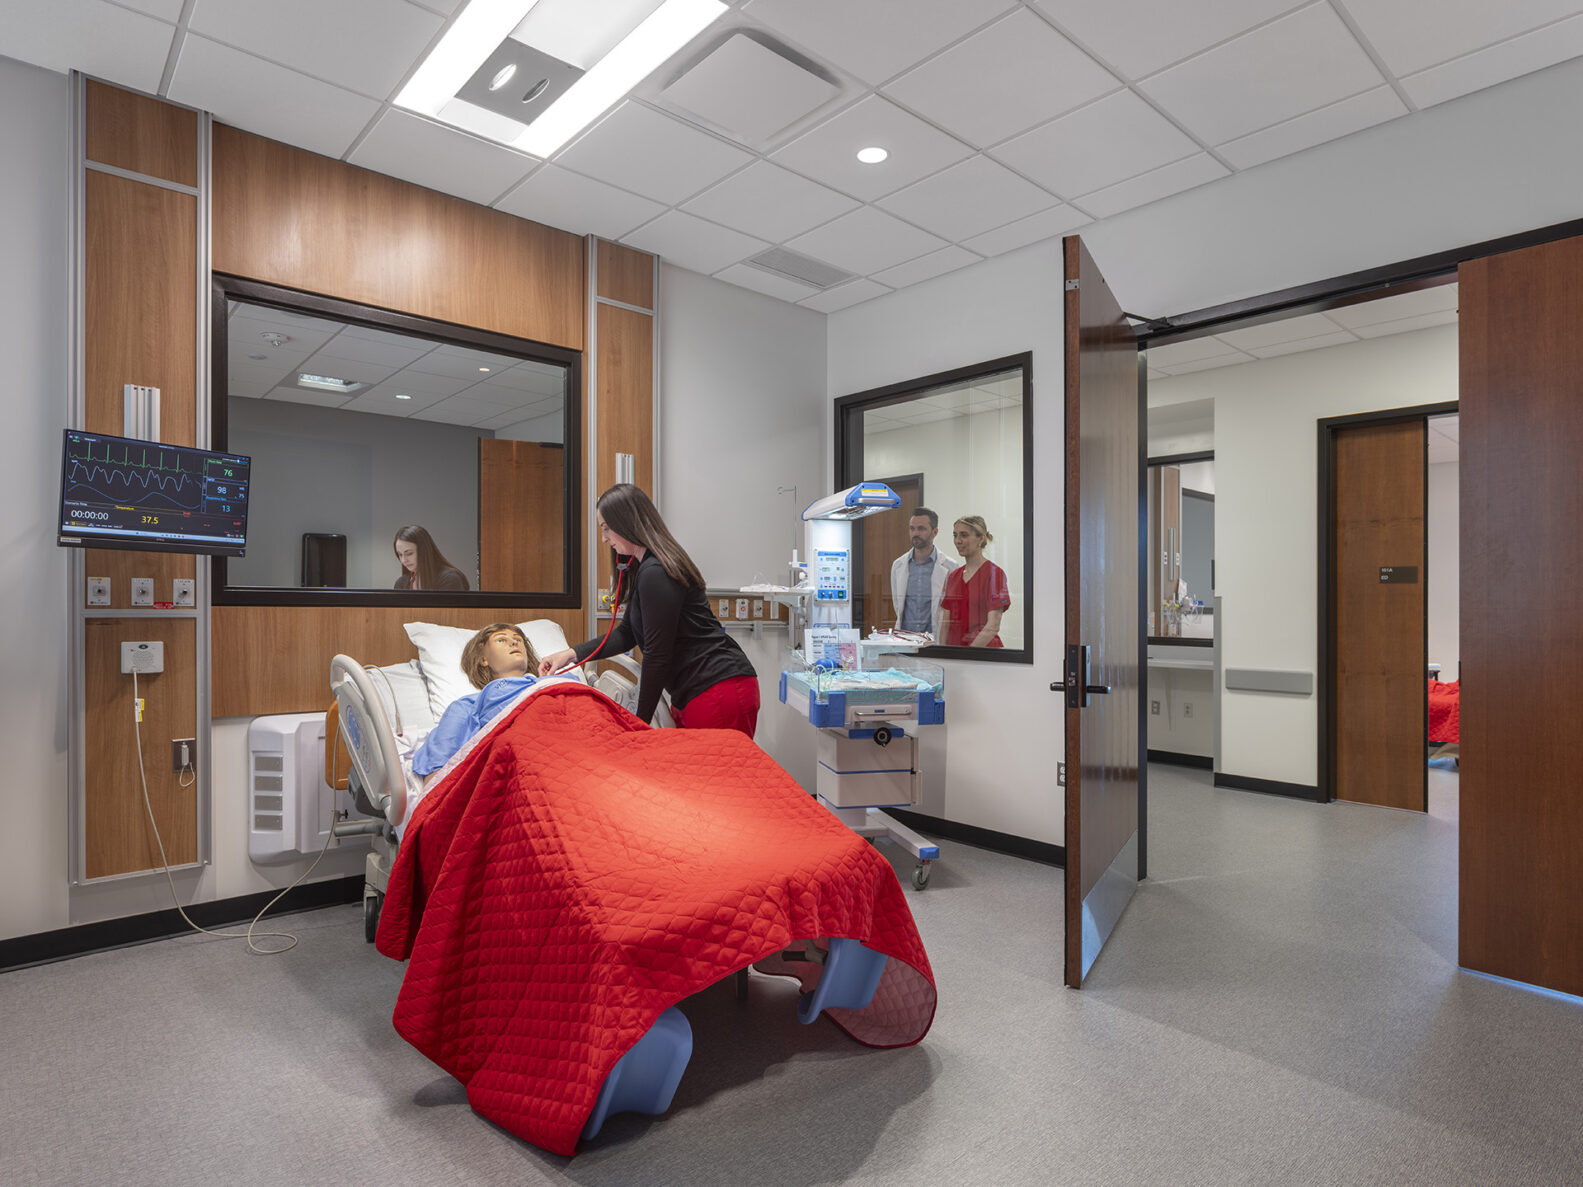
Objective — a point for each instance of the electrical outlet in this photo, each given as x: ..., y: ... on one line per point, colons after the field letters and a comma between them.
x: 98, y: 591
x: 181, y: 591
x: 183, y: 754
x: 1060, y: 774
x: 1154, y: 708
x: 143, y: 658
x: 142, y: 591
x: 1187, y: 708
x: 742, y: 607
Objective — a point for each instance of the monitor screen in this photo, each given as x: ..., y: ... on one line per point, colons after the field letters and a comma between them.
x: 117, y: 492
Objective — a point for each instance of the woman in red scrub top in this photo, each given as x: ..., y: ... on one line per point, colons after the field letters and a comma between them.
x: 975, y: 595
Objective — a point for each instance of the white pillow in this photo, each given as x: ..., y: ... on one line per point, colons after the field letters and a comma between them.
x: 440, y: 655
x: 405, y: 695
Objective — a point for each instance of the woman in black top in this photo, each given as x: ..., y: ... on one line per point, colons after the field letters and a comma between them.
x: 686, y: 651
x: 422, y: 566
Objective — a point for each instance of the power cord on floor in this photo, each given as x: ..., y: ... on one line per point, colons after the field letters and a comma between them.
x: 291, y: 940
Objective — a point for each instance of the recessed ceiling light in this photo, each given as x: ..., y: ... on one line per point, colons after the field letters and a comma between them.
x: 483, y: 368
x: 872, y: 155
x: 503, y: 77
x: 258, y: 358
x: 401, y: 397
x: 327, y: 383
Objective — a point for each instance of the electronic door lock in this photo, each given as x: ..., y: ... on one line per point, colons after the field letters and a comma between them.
x: 1076, y: 687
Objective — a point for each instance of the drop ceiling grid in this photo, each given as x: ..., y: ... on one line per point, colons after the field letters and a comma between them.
x: 322, y: 84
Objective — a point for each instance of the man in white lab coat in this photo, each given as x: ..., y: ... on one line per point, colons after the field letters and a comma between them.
x: 917, y: 576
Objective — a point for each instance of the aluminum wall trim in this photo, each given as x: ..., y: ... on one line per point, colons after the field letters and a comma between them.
x: 76, y: 413
x: 148, y: 179
x: 203, y: 428
x: 624, y: 305
x: 654, y: 387
x: 591, y: 432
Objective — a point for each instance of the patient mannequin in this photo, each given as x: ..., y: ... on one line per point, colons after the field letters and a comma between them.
x: 497, y: 660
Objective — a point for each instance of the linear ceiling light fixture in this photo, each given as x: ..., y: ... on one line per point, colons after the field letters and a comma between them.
x: 484, y: 29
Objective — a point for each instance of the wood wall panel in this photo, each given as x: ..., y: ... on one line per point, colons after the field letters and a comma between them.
x: 1521, y: 799
x: 119, y: 840
x: 1380, y: 722
x: 141, y: 134
x: 626, y: 275
x: 276, y: 659
x: 625, y: 404
x: 521, y: 507
x: 293, y: 218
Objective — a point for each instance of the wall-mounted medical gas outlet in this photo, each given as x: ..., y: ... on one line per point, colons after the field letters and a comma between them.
x: 143, y: 658
x: 725, y: 607
x: 181, y: 591
x: 142, y: 591
x: 742, y: 607
x: 1154, y: 708
x: 758, y: 608
x: 98, y: 591
x: 183, y: 754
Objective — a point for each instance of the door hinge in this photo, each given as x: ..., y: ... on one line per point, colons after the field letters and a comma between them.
x: 1072, y: 286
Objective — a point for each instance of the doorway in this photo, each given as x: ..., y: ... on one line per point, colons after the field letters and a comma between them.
x: 881, y: 538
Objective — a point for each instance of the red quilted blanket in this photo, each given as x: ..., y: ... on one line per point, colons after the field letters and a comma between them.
x: 1445, y: 711
x: 577, y: 873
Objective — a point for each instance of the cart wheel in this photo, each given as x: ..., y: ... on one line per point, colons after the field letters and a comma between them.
x: 920, y: 874
x: 371, y: 905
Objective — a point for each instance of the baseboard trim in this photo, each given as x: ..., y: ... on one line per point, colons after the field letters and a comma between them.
x: 983, y: 838
x: 67, y: 942
x: 1294, y: 791
x: 1202, y: 762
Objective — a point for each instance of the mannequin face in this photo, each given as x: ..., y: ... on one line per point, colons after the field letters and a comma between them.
x: 407, y: 554
x: 505, y: 654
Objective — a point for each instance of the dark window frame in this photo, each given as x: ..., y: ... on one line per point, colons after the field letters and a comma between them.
x: 226, y: 288
x: 849, y: 471
x: 1176, y: 459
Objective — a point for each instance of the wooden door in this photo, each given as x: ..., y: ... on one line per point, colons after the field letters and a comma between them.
x: 884, y: 538
x: 521, y: 510
x: 1521, y: 813
x: 1104, y: 509
x: 1379, y: 562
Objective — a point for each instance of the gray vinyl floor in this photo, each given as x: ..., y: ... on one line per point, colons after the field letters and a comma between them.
x: 1280, y: 1004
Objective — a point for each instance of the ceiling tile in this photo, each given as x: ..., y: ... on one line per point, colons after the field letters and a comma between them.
x: 865, y: 241
x: 1058, y: 220
x: 936, y: 263
x: 828, y: 153
x: 1484, y: 68
x: 296, y: 395
x: 1291, y: 66
x: 443, y: 7
x: 764, y: 282
x: 424, y: 389
x: 111, y: 43
x: 1225, y: 360
x: 354, y: 370
x: 390, y: 350
x: 560, y: 198
x: 165, y: 10
x: 639, y: 149
x: 1192, y: 351
x: 458, y: 362
x: 384, y: 395
x: 270, y: 100
x: 427, y: 154
x: 844, y: 295
x: 1319, y: 342
x: 366, y: 46
x: 1410, y: 39
x: 1317, y: 127
x: 1152, y: 186
x: 875, y: 39
x: 1291, y: 329
x: 749, y: 91
x: 1438, y: 299
x: 691, y: 242
x: 1143, y: 36
x: 1096, y: 146
x: 1003, y: 80
x: 968, y: 199
x: 770, y: 202
x: 1380, y: 329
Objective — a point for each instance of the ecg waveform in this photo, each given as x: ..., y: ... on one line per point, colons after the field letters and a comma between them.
x: 140, y: 481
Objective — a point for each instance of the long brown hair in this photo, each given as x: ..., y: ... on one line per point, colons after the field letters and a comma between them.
x: 628, y: 513
x: 430, y: 563
x: 478, y: 671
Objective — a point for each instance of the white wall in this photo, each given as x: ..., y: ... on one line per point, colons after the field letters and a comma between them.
x: 743, y: 411
x: 972, y: 465
x: 1266, y: 517
x: 33, y: 195
x: 993, y: 763
x: 1445, y: 573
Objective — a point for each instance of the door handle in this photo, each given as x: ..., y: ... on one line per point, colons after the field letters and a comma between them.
x: 1074, y: 678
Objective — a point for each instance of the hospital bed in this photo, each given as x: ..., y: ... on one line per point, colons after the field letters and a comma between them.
x: 862, y: 963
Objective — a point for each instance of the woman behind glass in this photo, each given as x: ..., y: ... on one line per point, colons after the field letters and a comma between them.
x: 422, y: 565
x: 975, y: 595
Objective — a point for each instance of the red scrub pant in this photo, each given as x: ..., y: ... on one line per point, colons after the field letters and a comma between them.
x: 730, y: 705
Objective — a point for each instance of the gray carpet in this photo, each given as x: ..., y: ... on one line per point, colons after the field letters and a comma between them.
x: 1280, y: 1004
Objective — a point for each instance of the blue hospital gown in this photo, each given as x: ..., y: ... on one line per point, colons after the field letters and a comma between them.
x: 465, y: 716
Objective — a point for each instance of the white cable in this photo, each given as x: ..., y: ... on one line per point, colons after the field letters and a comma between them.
x: 137, y: 718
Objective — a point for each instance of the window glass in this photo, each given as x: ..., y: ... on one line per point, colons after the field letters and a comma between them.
x: 1182, y: 549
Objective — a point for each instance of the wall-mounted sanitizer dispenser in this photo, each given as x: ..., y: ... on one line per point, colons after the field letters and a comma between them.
x: 291, y: 807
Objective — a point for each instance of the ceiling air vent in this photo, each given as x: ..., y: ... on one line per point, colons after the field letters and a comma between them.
x: 803, y: 269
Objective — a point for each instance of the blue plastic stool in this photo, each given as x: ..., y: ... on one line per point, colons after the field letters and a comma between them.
x: 851, y: 975
x: 644, y: 1079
